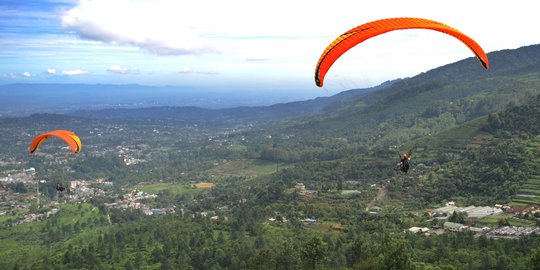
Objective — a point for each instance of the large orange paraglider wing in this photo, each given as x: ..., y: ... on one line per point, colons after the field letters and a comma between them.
x: 365, y: 31
x: 69, y: 137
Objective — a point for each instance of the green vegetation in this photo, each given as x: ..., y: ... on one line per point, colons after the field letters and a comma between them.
x: 175, y: 189
x: 505, y: 220
x: 74, y: 223
x: 474, y: 138
x: 246, y: 168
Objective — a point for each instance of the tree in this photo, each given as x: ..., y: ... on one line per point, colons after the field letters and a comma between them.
x: 494, y: 121
x: 458, y: 217
x: 502, y: 262
x: 503, y: 222
x: 534, y: 261
x: 20, y: 188
x: 395, y: 252
x: 313, y: 253
x: 263, y: 259
x: 356, y: 252
x: 287, y: 258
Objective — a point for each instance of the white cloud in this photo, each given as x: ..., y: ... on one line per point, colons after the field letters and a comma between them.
x: 74, y: 72
x: 118, y: 69
x: 281, y: 39
x: 185, y: 70
x: 51, y: 71
x: 286, y: 38
x: 256, y: 59
x: 161, y: 27
x: 27, y: 74
x: 208, y: 72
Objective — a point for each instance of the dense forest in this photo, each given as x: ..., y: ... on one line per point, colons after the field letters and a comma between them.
x: 177, y: 243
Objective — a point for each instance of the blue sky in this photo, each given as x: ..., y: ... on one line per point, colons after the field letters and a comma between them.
x: 240, y: 44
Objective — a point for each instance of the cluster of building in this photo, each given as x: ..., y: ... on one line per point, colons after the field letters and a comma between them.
x: 34, y: 216
x: 473, y: 212
x: 12, y: 206
x: 9, y: 161
x: 82, y: 189
x: 503, y: 232
x: 284, y: 220
x: 301, y: 190
x: 15, y: 176
x: 131, y: 200
x: 130, y: 156
x: 513, y: 232
x: 157, y: 211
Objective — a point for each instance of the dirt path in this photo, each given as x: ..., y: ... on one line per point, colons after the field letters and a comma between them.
x: 380, y: 196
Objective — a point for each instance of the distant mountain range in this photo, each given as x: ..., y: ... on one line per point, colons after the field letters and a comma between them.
x: 512, y: 73
x: 234, y: 115
x: 25, y: 99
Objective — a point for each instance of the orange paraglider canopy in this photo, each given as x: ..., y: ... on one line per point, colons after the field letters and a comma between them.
x: 69, y: 137
x: 365, y: 31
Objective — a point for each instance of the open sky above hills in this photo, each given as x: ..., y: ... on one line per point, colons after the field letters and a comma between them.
x: 240, y: 45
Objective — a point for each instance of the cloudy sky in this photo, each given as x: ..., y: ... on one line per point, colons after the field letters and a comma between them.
x: 237, y: 44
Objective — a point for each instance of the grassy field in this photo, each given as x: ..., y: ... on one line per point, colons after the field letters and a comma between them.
x: 246, y: 168
x: 237, y: 148
x: 494, y: 221
x: 174, y: 188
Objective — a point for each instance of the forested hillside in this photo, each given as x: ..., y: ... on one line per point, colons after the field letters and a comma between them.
x: 345, y: 235
x: 420, y: 106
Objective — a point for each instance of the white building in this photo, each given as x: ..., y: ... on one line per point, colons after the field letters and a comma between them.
x: 300, y: 187
x: 419, y: 229
x: 473, y: 212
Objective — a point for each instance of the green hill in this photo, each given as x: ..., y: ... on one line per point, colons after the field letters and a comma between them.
x: 475, y: 91
x: 416, y: 107
x: 494, y: 155
x: 529, y: 193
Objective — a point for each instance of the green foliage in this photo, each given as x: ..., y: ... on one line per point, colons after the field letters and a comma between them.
x: 534, y: 261
x: 313, y: 253
x: 396, y: 254
x: 458, y: 217
x: 473, y: 147
x: 518, y: 120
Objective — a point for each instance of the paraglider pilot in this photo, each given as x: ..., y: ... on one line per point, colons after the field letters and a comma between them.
x: 404, y: 162
x: 59, y: 187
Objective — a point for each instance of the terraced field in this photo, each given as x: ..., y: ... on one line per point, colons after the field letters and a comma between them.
x: 470, y: 135
x: 452, y: 141
x: 529, y: 193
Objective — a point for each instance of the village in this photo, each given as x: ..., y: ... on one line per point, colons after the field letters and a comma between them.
x: 30, y: 203
x: 472, y: 214
x: 441, y: 220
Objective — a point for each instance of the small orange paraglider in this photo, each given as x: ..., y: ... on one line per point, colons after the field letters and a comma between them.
x: 69, y: 137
